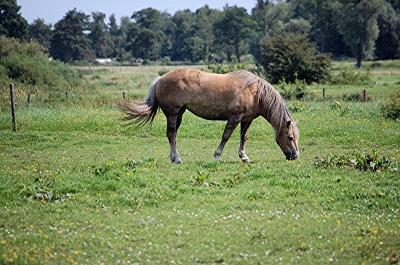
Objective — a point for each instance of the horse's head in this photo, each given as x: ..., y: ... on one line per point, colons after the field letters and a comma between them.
x: 288, y: 140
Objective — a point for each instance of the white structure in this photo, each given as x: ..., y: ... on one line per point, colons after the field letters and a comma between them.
x: 104, y: 61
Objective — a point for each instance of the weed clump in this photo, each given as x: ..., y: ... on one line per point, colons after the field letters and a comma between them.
x: 366, y: 161
x: 391, y: 109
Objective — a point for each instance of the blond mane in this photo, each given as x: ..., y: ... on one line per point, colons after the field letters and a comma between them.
x: 275, y: 110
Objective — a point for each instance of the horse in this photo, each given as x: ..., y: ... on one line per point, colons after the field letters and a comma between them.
x: 237, y: 97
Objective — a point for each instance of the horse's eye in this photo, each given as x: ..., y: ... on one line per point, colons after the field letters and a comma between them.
x: 290, y: 138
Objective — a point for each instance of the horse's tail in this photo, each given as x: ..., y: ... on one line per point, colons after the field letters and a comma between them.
x: 143, y: 112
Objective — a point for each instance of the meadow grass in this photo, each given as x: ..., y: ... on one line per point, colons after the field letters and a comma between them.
x: 78, y: 187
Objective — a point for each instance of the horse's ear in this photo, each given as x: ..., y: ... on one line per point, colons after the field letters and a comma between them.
x: 288, y: 123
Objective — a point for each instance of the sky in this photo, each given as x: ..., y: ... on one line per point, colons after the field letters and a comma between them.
x: 54, y: 10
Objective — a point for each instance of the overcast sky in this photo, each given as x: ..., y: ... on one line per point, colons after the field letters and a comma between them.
x: 54, y: 10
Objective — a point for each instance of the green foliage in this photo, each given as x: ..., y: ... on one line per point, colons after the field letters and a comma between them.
x: 69, y: 41
x: 292, y: 56
x: 40, y: 32
x: 366, y: 161
x: 25, y: 65
x: 352, y: 97
x: 298, y: 90
x: 358, y: 25
x: 220, y: 68
x: 232, y: 28
x: 347, y: 76
x: 12, y: 24
x: 391, y: 109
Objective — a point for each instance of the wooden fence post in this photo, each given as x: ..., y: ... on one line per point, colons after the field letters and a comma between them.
x: 29, y: 99
x: 66, y: 95
x: 323, y: 93
x: 124, y: 96
x: 365, y: 95
x: 12, y: 97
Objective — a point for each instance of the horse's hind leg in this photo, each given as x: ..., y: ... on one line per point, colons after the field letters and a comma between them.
x: 229, y: 128
x: 244, y: 132
x: 173, y: 123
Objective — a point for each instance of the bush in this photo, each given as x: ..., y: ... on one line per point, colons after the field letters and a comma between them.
x: 292, y: 56
x: 366, y: 161
x: 350, y: 77
x: 391, y: 109
x: 25, y: 65
x: 298, y: 90
x: 220, y: 68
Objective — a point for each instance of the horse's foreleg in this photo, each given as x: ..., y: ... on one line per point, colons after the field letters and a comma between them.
x: 244, y: 132
x: 229, y: 128
x: 171, y: 134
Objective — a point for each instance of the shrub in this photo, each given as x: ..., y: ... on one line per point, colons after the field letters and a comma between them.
x: 366, y: 161
x: 351, y: 77
x: 391, y: 109
x: 220, y: 68
x: 292, y: 56
x: 27, y: 66
x: 298, y: 90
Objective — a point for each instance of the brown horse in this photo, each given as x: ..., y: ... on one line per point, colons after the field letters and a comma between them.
x: 238, y: 97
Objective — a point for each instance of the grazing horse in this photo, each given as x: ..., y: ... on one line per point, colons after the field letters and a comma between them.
x: 237, y: 97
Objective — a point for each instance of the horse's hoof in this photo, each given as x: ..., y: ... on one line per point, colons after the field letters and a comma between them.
x: 246, y: 160
x: 176, y: 161
x: 217, y: 158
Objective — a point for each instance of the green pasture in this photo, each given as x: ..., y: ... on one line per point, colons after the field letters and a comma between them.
x: 79, y: 187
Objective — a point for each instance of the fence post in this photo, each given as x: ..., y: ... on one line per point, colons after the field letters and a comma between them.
x: 12, y: 97
x: 29, y: 99
x: 124, y: 96
x: 323, y: 93
x: 365, y: 95
x: 66, y: 95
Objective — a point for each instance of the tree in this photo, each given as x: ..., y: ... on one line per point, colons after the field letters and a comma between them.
x: 100, y: 37
x: 40, y: 32
x: 291, y: 56
x: 232, y: 29
x: 358, y: 24
x: 322, y: 16
x: 184, y: 21
x: 388, y: 42
x: 201, y: 43
x: 145, y: 34
x: 69, y: 41
x: 12, y: 24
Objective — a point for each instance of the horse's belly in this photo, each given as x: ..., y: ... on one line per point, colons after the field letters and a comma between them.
x: 209, y: 112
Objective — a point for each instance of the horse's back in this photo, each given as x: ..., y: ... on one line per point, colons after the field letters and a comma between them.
x: 207, y: 95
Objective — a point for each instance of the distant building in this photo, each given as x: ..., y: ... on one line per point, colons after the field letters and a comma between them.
x: 104, y: 61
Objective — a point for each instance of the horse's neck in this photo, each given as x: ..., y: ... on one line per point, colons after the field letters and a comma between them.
x: 276, y: 114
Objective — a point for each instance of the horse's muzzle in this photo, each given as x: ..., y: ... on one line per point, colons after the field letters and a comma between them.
x: 292, y: 156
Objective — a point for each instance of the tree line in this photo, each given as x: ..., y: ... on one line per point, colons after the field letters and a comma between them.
x: 362, y: 29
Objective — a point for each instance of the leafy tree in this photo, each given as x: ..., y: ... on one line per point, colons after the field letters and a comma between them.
x: 201, y: 43
x: 100, y: 37
x: 358, y: 24
x: 183, y: 21
x: 291, y: 56
x: 12, y: 24
x: 69, y: 41
x: 322, y: 15
x: 271, y: 17
x: 121, y: 40
x: 40, y: 32
x: 145, y: 34
x: 232, y: 29
x: 388, y: 42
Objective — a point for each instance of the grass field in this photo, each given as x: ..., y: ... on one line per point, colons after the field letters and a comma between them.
x: 79, y: 187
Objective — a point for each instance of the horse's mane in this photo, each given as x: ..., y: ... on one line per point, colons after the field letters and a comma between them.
x: 275, y: 109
